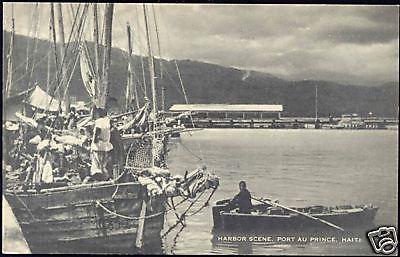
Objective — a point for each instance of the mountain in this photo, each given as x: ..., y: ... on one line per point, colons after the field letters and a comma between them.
x: 210, y: 83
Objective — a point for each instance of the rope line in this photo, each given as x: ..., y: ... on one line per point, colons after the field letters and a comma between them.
x: 204, y: 205
x: 26, y: 207
x: 190, y: 151
x: 128, y: 217
x: 182, y: 217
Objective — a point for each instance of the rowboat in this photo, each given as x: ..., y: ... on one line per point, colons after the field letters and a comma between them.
x: 270, y: 217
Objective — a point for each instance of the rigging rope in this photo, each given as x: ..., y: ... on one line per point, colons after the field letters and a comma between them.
x: 158, y: 41
x: 36, y: 41
x: 190, y: 151
x: 141, y: 56
x: 75, y: 47
x: 182, y: 217
x: 24, y: 205
x: 189, y: 215
x: 173, y: 83
x: 206, y: 203
x: 175, y: 240
x: 74, y: 50
x: 184, y: 94
x: 187, y: 102
x: 35, y: 18
x: 37, y: 63
x: 32, y: 18
x: 126, y: 56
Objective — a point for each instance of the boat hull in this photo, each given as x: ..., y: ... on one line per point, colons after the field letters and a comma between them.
x: 349, y: 220
x: 100, y: 217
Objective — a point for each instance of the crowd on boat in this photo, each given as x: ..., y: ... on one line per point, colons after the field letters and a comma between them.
x: 52, y: 148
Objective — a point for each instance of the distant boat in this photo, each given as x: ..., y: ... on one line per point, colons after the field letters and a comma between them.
x: 351, y: 121
x: 332, y: 126
x: 270, y: 218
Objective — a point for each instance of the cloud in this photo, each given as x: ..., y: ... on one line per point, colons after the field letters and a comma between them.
x: 352, y: 44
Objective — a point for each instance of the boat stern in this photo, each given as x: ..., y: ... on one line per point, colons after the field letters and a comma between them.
x: 220, y: 206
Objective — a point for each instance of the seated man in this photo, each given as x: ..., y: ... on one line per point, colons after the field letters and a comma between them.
x: 243, y: 199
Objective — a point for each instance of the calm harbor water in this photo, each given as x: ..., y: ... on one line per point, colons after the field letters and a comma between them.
x: 298, y: 167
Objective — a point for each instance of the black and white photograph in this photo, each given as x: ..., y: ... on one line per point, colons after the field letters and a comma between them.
x: 200, y: 128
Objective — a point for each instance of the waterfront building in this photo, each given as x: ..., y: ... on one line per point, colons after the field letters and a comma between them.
x: 231, y: 111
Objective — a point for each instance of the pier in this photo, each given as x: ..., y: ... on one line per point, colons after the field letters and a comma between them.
x: 288, y: 123
x: 270, y: 116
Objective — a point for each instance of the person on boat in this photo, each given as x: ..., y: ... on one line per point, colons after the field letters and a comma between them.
x: 44, y: 169
x: 101, y: 145
x: 58, y: 122
x: 71, y: 119
x: 118, y: 151
x: 243, y: 199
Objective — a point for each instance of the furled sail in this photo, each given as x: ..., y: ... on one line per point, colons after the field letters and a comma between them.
x: 140, y: 118
x: 87, y: 73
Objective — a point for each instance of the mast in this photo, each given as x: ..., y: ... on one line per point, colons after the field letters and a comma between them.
x: 27, y: 51
x: 54, y: 47
x: 49, y: 60
x: 10, y: 54
x: 141, y: 58
x: 316, y: 102
x: 62, y: 50
x: 152, y: 81
x: 160, y: 62
x: 151, y: 66
x: 108, y: 16
x: 96, y: 46
x: 130, y: 83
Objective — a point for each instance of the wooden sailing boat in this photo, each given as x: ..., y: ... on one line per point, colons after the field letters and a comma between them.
x: 75, y: 218
x: 114, y: 216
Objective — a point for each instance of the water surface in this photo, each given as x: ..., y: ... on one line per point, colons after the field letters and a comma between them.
x: 298, y: 167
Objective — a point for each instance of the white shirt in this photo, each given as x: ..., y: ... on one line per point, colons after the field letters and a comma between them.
x: 103, y: 144
x: 47, y: 173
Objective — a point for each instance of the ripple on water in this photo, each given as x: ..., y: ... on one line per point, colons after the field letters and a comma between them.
x: 298, y: 167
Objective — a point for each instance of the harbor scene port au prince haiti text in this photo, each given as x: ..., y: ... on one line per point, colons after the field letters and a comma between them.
x: 182, y: 129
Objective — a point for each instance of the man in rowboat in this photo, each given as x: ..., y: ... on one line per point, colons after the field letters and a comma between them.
x: 242, y: 200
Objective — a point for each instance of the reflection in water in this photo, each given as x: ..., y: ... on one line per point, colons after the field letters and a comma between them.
x: 106, y: 247
x: 298, y: 167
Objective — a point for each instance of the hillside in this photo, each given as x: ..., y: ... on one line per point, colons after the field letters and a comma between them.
x: 210, y: 83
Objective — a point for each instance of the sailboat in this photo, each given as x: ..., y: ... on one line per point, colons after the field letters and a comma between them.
x: 121, y: 215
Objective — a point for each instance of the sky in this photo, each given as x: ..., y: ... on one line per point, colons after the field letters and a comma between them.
x: 346, y: 44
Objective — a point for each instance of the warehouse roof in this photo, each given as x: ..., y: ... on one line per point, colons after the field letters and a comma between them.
x: 227, y: 107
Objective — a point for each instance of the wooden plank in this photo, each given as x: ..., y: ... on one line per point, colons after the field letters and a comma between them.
x: 80, y: 195
x: 90, y: 229
x: 127, y: 207
x: 139, y: 236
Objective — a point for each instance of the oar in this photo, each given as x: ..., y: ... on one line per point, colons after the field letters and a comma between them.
x: 301, y: 213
